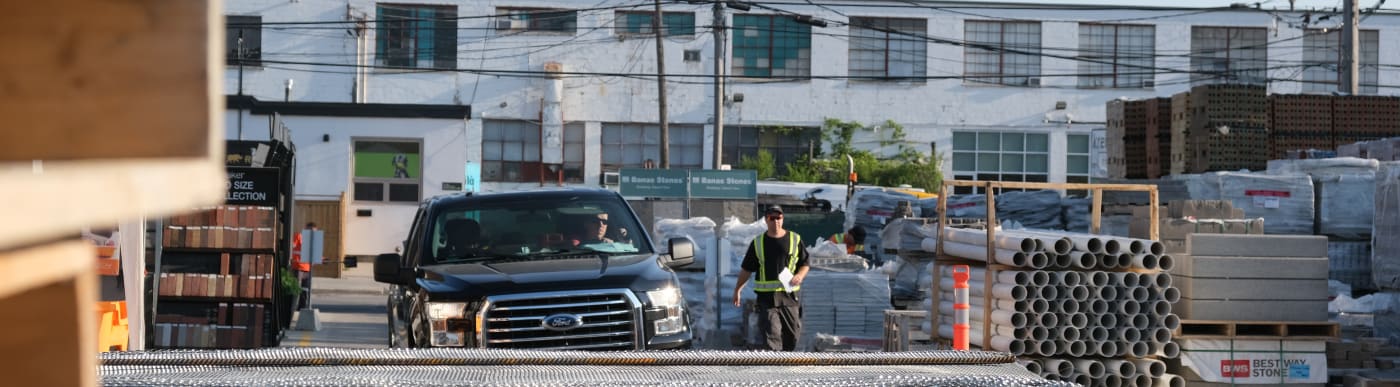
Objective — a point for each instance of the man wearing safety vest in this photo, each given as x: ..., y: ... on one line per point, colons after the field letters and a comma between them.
x: 854, y: 239
x: 302, y: 267
x: 776, y: 257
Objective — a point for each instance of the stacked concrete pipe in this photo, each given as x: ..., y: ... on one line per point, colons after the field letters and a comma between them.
x: 1084, y: 308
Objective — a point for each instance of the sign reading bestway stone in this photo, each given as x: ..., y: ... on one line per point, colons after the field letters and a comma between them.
x: 715, y: 184
x: 703, y: 184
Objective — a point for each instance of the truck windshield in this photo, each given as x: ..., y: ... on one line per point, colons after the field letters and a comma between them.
x: 475, y: 231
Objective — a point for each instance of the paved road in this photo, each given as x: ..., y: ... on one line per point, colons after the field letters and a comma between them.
x: 352, y: 313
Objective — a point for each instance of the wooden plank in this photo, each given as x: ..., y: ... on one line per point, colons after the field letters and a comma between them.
x: 1291, y: 330
x: 71, y: 194
x: 111, y: 79
x: 1156, y: 207
x: 328, y: 216
x: 50, y: 331
x: 1096, y: 211
x: 1053, y: 186
x: 25, y: 269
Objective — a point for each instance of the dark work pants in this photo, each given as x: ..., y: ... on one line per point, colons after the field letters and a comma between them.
x: 305, y: 301
x: 781, y: 326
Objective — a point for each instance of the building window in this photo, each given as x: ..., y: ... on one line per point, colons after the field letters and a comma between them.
x: 877, y: 53
x: 1321, y: 55
x: 249, y: 28
x: 771, y: 46
x: 1001, y: 156
x: 632, y: 23
x: 1229, y: 55
x: 537, y: 19
x: 1116, y: 56
x: 388, y: 171
x: 418, y: 36
x: 1014, y: 55
x: 785, y: 144
x: 573, y: 152
x: 1077, y: 161
x: 632, y: 145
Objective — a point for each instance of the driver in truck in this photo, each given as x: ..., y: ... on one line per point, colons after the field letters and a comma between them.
x: 595, y: 230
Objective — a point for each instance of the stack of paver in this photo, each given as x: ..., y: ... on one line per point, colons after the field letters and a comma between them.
x: 843, y: 304
x: 1253, y: 278
x: 1185, y: 217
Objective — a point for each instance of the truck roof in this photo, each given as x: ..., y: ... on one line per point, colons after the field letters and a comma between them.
x: 542, y: 194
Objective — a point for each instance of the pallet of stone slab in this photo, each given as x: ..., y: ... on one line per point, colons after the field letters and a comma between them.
x: 1167, y: 190
x: 1252, y: 310
x: 1250, y: 267
x: 1291, y: 330
x: 1194, y: 380
x: 1220, y: 245
x: 1177, y: 229
x: 1252, y: 289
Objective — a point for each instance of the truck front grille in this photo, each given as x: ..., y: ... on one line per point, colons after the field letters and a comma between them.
x: 611, y: 320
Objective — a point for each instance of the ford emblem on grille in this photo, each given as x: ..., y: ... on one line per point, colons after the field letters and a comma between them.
x: 562, y: 322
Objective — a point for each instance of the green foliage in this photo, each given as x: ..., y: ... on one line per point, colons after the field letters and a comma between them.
x: 766, y: 166
x: 290, y: 284
x: 905, y: 166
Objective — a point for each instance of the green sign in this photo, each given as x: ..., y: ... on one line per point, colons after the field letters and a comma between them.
x: 654, y: 183
x: 702, y: 184
x: 716, y: 184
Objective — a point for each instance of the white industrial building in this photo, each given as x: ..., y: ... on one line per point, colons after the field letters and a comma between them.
x: 539, y: 91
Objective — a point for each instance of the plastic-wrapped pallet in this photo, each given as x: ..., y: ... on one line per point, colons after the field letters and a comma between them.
x: 1350, y: 262
x: 1075, y: 212
x: 1316, y: 167
x: 1032, y: 209
x: 905, y: 282
x: 828, y: 256
x: 843, y: 304
x: 693, y: 288
x: 967, y: 206
x: 1284, y: 201
x: 1385, y: 247
x: 870, y: 209
x: 906, y: 234
x: 1205, y: 186
x: 1346, y: 189
x: 738, y: 235
x: 701, y: 232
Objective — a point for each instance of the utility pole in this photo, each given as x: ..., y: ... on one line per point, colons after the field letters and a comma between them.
x: 661, y: 88
x: 719, y: 84
x: 238, y: 55
x: 1349, y: 71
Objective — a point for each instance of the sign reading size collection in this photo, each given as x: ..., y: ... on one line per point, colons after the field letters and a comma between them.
x: 252, y: 186
x: 701, y: 184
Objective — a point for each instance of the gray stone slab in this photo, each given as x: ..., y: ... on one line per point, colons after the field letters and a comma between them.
x: 1282, y: 246
x: 1251, y: 289
x: 1190, y: 309
x: 1250, y: 267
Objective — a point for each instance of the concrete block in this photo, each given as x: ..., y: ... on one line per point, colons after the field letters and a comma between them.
x: 1250, y: 267
x: 1246, y: 310
x: 1301, y: 246
x: 1252, y: 289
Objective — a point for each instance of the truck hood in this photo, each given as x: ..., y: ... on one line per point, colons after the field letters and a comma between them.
x: 469, y: 281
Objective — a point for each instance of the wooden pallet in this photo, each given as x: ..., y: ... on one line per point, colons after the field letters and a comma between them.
x: 1293, y: 330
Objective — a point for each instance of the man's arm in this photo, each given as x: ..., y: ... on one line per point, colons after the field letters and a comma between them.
x: 802, y: 266
x: 739, y: 286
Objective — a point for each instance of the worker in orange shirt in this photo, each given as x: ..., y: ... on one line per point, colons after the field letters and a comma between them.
x: 303, y: 268
x: 854, y: 239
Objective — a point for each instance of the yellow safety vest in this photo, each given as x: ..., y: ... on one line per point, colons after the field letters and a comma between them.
x: 768, y: 285
x: 840, y: 238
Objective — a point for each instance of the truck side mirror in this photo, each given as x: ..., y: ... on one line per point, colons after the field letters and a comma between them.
x: 388, y: 269
x: 682, y: 253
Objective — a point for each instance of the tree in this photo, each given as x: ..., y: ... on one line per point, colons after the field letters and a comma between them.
x: 764, y: 164
x: 905, y: 166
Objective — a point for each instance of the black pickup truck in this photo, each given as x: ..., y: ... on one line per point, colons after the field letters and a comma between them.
x: 563, y: 269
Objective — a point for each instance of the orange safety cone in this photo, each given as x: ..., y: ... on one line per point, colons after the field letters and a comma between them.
x: 961, y: 329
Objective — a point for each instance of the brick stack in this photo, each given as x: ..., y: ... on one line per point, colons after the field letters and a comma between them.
x: 1359, y: 354
x: 1158, y: 148
x: 1225, y: 128
x: 1300, y: 122
x: 1138, y: 138
x: 1180, y: 123
x: 1363, y: 118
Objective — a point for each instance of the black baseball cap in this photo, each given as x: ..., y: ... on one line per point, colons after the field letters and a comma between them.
x: 774, y: 209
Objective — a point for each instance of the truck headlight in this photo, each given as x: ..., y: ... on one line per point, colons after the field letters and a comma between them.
x: 444, y: 333
x: 672, y: 303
